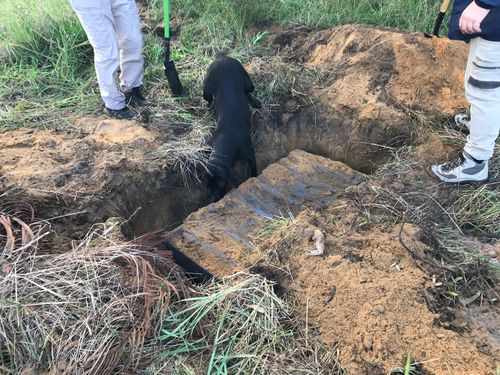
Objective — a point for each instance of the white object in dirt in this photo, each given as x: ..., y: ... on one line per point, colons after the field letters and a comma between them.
x: 319, y: 240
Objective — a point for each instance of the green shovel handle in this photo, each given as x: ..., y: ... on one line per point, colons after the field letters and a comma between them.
x: 166, y: 18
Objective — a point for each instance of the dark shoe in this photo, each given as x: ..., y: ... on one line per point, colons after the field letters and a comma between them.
x: 134, y: 98
x: 119, y: 114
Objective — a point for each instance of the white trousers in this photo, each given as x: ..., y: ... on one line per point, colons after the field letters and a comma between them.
x: 482, y: 89
x: 113, y: 30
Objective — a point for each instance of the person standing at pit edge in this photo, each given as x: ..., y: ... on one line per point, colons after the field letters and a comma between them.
x: 113, y: 30
x: 479, y: 23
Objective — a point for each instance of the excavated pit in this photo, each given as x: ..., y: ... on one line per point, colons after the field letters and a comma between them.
x: 220, y: 237
x: 359, y: 94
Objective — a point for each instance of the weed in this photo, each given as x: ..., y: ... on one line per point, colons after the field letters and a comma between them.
x: 276, y: 223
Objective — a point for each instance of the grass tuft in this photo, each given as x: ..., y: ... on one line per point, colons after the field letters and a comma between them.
x: 86, y: 311
x: 240, y: 326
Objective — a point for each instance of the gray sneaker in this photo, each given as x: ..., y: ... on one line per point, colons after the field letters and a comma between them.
x: 464, y: 169
x: 462, y: 122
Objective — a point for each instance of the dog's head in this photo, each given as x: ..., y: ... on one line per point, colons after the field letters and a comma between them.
x: 226, y: 73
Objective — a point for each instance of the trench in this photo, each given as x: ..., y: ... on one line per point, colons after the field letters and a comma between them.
x: 363, y: 146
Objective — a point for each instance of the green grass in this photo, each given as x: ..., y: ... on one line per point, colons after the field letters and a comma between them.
x: 239, y: 326
x: 409, y: 15
x: 47, y: 68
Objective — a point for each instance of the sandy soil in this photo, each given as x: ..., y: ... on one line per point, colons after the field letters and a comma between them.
x: 368, y: 297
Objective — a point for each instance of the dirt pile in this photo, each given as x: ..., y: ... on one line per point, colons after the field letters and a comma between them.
x: 96, y: 169
x: 367, y: 296
x: 76, y: 162
x: 376, y: 90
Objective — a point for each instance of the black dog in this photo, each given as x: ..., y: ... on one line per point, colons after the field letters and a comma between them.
x: 228, y: 86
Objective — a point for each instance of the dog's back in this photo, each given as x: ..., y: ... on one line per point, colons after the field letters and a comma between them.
x: 226, y: 86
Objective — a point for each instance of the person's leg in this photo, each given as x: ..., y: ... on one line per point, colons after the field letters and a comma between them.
x: 462, y: 119
x: 472, y: 52
x: 483, y: 92
x: 482, y: 89
x: 130, y: 43
x: 97, y: 20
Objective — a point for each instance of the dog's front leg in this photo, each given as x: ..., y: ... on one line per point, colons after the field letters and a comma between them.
x: 253, y: 101
x: 208, y: 92
x: 250, y: 157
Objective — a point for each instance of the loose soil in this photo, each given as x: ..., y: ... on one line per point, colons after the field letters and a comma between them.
x: 364, y: 93
x: 375, y: 90
x: 367, y: 297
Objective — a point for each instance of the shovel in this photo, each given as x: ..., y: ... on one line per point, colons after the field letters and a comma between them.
x: 439, y: 19
x: 170, y: 72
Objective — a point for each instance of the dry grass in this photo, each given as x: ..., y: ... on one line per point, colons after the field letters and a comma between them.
x: 278, y: 80
x: 188, y: 153
x: 107, y: 307
x: 87, y: 311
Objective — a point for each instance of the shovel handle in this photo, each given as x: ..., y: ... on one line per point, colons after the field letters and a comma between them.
x: 439, y: 20
x: 166, y: 18
x: 444, y: 6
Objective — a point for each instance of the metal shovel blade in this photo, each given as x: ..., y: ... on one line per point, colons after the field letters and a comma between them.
x: 173, y: 78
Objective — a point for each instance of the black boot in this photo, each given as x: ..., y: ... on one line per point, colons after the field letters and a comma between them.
x: 134, y: 98
x: 119, y: 114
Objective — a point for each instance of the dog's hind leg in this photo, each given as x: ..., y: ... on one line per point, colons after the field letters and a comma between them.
x: 249, y: 155
x: 247, y: 81
x: 249, y: 88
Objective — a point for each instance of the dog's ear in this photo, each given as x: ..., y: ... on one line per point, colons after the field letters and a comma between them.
x: 208, y: 91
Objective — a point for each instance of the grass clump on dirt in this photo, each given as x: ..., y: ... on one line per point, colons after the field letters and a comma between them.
x: 240, y: 326
x: 86, y: 311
